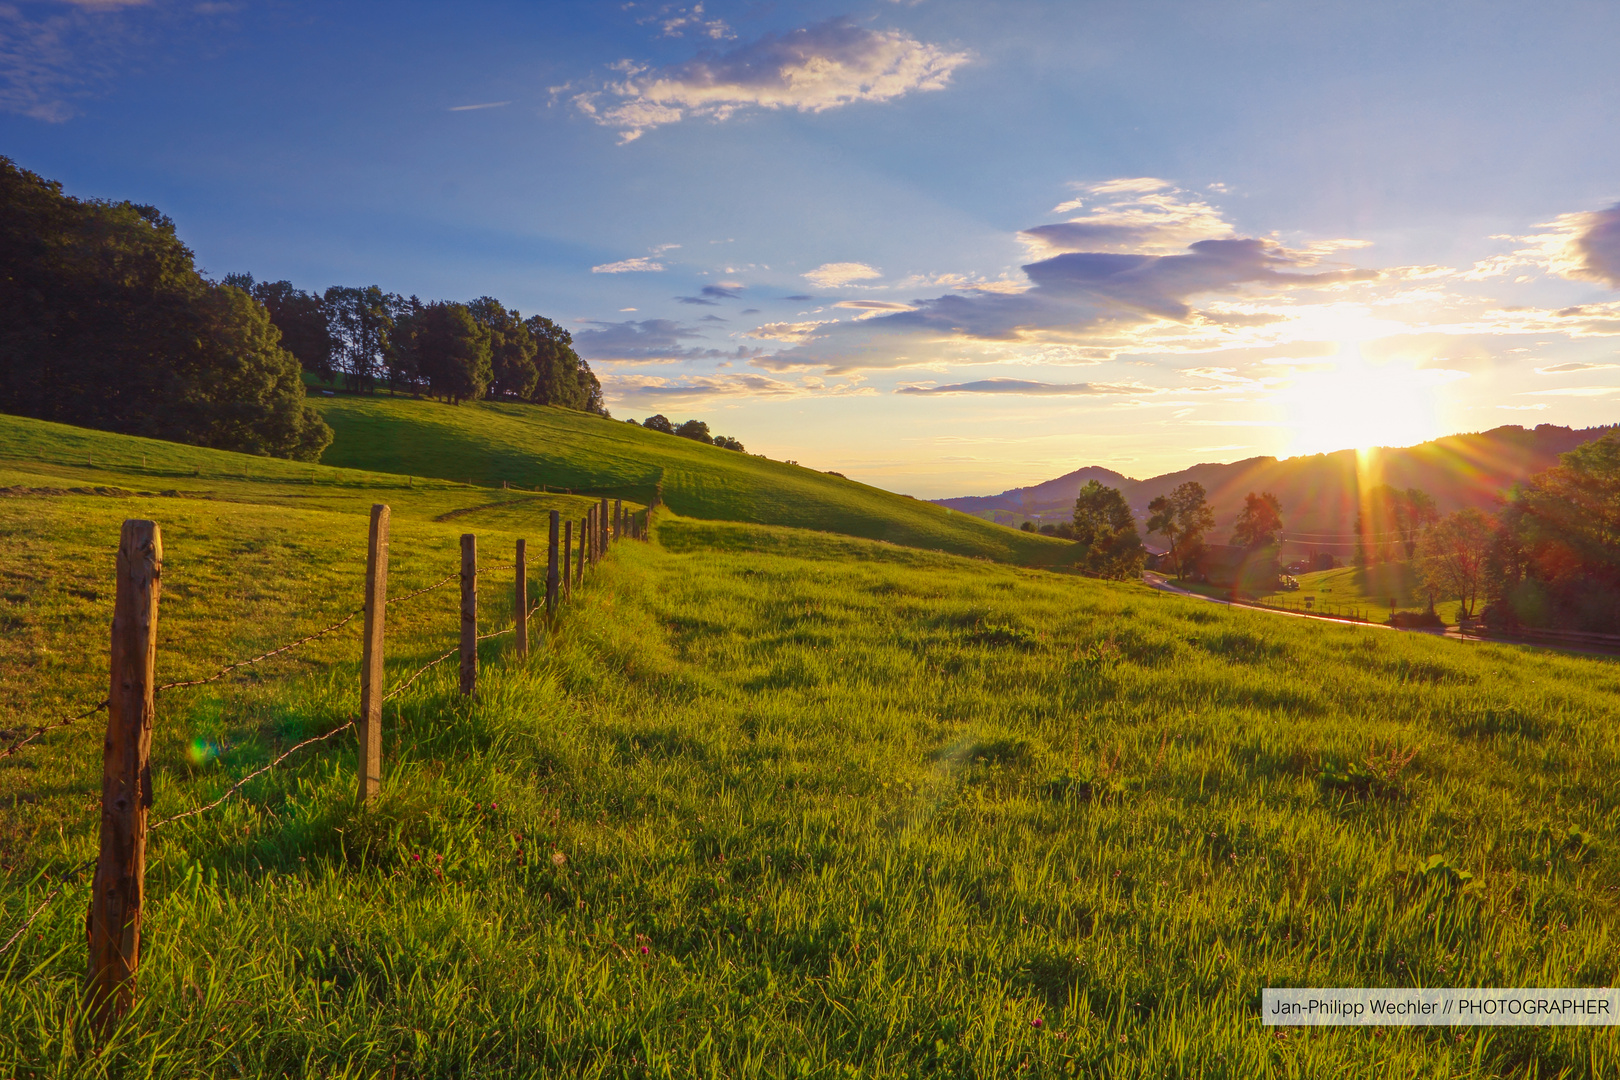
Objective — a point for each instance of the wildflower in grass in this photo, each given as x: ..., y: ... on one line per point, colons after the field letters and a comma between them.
x: 1035, y: 1023
x: 415, y: 857
x: 645, y: 951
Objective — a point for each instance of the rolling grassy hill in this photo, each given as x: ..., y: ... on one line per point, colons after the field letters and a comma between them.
x: 490, y: 443
x: 772, y: 802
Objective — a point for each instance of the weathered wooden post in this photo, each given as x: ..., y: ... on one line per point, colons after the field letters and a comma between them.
x: 603, y: 518
x: 520, y: 610
x: 372, y: 684
x: 618, y: 519
x: 551, y: 568
x: 567, y: 555
x: 126, y: 778
x: 469, y: 613
x: 583, y: 529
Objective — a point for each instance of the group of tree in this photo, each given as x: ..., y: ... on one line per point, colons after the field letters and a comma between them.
x: 696, y: 430
x: 1554, y: 553
x: 105, y: 322
x: 455, y: 352
x: 1391, y: 522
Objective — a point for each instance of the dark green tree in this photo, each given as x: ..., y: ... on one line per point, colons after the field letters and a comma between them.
x: 726, y: 442
x: 1105, y: 529
x: 512, y: 350
x: 564, y: 379
x: 452, y: 351
x: 301, y: 318
x: 360, y: 318
x: 1182, y: 517
x: 696, y: 430
x: 659, y: 422
x: 105, y: 322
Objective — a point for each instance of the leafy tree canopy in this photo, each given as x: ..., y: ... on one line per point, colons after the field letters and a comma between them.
x: 1259, y: 522
x: 105, y: 322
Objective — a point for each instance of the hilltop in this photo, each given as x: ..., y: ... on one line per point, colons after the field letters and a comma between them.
x: 492, y: 444
x: 1319, y: 492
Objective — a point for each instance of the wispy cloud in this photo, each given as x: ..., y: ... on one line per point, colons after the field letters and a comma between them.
x: 628, y: 266
x: 812, y: 69
x: 1023, y: 386
x: 836, y: 275
x: 644, y: 341
x: 707, y: 387
x: 1576, y: 391
x: 484, y: 105
x: 1561, y: 369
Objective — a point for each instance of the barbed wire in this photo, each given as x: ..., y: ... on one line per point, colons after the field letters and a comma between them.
x: 441, y: 583
x: 227, y: 669
x: 234, y: 788
x: 418, y: 673
x: 45, y: 903
x: 43, y: 728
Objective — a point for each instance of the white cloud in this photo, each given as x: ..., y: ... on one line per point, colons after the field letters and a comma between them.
x: 707, y: 387
x: 837, y: 275
x: 1025, y: 386
x: 1562, y: 369
x: 1139, y: 214
x: 485, y: 105
x: 812, y: 69
x: 1576, y: 391
x: 628, y: 266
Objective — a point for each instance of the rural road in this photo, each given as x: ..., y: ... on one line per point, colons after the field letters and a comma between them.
x: 1158, y: 581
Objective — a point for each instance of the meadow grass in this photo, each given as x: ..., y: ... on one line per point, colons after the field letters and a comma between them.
x: 772, y: 802
x: 1370, y: 588
x: 490, y: 442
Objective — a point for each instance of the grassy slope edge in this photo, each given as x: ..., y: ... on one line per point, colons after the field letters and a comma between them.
x: 489, y: 442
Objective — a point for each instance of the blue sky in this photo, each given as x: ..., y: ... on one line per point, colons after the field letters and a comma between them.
x: 942, y: 247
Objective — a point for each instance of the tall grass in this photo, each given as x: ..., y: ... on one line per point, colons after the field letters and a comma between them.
x: 773, y: 803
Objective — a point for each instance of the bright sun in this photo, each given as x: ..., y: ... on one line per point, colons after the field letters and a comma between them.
x: 1353, y: 403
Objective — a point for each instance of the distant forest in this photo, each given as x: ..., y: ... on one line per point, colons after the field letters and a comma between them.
x: 106, y: 322
x: 455, y: 352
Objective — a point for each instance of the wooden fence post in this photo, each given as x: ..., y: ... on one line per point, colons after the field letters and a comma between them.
x: 520, y: 612
x: 469, y: 613
x: 582, y: 530
x: 567, y: 555
x: 551, y: 568
x: 126, y: 778
x: 606, y: 537
x: 372, y: 684
x: 618, y: 519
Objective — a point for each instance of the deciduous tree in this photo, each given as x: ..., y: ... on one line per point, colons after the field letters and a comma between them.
x: 1182, y: 517
x: 1105, y: 529
x: 1259, y: 522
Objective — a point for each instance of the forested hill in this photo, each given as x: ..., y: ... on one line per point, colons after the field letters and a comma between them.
x: 1319, y: 493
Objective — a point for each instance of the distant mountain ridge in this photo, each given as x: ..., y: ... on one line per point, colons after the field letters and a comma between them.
x: 1320, y: 493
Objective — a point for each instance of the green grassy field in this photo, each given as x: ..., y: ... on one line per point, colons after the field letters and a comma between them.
x: 489, y: 442
x: 1368, y: 587
x: 773, y: 802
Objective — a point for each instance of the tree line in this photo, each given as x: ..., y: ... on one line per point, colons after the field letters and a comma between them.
x: 106, y: 322
x: 452, y: 351
x: 696, y: 430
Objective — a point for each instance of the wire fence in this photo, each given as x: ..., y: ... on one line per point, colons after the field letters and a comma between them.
x: 596, y: 525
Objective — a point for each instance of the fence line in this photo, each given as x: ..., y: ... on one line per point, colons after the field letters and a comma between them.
x: 110, y: 988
